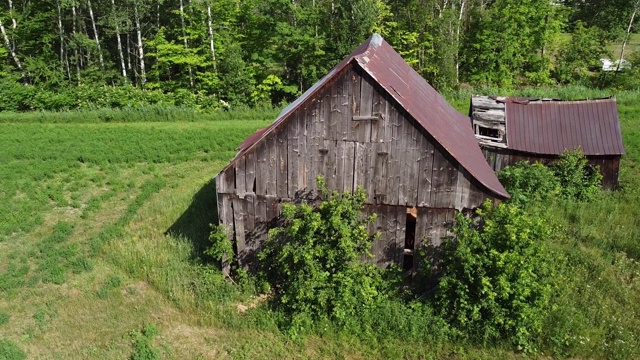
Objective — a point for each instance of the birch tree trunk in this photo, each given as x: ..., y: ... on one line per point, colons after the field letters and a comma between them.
x: 12, y: 51
x: 128, y: 52
x: 61, y: 34
x: 158, y: 15
x: 85, y: 53
x: 76, y: 53
x: 211, y: 45
x: 463, y: 3
x: 115, y: 20
x: 14, y: 24
x: 626, y: 37
x: 143, y: 73
x: 95, y: 32
x: 186, y: 43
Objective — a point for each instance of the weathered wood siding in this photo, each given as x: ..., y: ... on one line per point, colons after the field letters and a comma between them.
x: 609, y: 165
x: 354, y: 134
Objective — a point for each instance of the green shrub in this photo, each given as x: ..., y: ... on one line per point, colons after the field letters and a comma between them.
x: 570, y: 177
x: 496, y: 277
x: 142, y: 348
x: 528, y: 182
x: 578, y: 179
x: 221, y: 246
x: 581, y: 55
x: 312, y: 261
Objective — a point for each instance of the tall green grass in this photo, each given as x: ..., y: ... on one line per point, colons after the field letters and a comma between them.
x: 148, y: 113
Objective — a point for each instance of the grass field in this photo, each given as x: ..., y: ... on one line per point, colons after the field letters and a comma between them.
x: 632, y: 45
x: 103, y: 222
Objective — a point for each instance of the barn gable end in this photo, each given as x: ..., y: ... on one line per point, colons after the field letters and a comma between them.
x: 352, y: 131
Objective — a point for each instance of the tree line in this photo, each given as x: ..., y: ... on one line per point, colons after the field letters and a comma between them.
x: 268, y: 51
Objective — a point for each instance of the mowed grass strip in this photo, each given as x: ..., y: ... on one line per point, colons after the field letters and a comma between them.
x: 33, y: 154
x: 63, y: 187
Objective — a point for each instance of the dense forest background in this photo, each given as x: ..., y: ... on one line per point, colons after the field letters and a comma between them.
x: 67, y: 54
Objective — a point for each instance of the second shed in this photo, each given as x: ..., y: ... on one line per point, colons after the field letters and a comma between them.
x: 511, y: 129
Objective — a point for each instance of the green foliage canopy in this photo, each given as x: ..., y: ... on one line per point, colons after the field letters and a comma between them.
x: 578, y: 179
x: 570, y: 177
x: 313, y: 264
x: 496, y: 276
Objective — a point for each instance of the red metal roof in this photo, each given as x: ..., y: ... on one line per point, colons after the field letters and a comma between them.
x: 450, y: 128
x: 550, y: 127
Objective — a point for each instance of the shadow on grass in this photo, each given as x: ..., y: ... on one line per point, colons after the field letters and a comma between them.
x: 194, y: 223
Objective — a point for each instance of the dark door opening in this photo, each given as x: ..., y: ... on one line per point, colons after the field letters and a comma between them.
x: 409, y: 239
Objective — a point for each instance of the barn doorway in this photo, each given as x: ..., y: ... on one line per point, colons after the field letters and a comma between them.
x: 409, y: 238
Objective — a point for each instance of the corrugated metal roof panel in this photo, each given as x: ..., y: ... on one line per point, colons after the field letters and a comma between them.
x: 550, y: 127
x: 421, y: 101
x: 449, y: 128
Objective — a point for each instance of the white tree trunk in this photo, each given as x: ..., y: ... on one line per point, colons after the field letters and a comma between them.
x: 95, y: 32
x: 463, y: 3
x: 12, y: 51
x: 158, y: 14
x: 626, y: 38
x: 143, y: 73
x: 61, y: 34
x: 75, y: 51
x: 186, y: 43
x: 120, y: 53
x: 14, y: 24
x: 128, y: 52
x: 211, y: 45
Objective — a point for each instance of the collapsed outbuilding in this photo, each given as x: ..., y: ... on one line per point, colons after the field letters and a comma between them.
x: 511, y: 129
x: 373, y: 122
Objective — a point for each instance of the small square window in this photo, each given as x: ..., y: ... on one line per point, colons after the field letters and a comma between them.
x: 488, y: 132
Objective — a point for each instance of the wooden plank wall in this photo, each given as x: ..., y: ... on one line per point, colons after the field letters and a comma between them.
x: 609, y: 165
x: 390, y: 222
x: 354, y: 134
x: 432, y: 225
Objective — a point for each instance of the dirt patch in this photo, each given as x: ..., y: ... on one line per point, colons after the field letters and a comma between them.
x: 188, y: 340
x: 243, y: 308
x: 138, y: 287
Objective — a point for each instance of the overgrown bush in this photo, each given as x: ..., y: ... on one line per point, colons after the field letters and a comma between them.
x: 528, y: 182
x: 221, y: 247
x: 570, y: 177
x: 142, y: 347
x: 581, y: 55
x: 15, y: 96
x: 578, y: 179
x: 312, y: 261
x: 496, y: 276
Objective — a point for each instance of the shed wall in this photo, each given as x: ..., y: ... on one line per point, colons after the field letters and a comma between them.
x: 609, y: 165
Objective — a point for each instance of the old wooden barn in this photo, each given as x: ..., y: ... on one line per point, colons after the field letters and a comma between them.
x: 523, y: 129
x: 372, y: 122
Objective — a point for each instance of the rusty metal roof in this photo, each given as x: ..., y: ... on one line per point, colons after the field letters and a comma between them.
x: 450, y: 128
x: 551, y: 126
